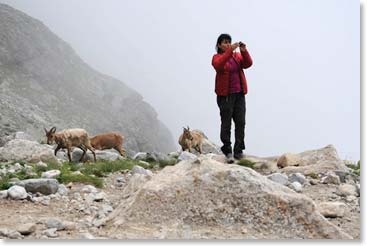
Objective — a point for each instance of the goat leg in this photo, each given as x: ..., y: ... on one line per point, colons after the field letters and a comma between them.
x: 57, y: 149
x: 94, y: 153
x: 69, y: 156
x: 120, y: 150
x: 84, y: 151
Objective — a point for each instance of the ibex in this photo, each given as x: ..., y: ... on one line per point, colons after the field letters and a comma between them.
x: 108, y: 141
x: 70, y: 138
x: 191, y: 139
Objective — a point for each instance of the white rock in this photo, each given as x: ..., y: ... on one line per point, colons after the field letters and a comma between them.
x: 185, y: 155
x: 17, y: 192
x: 17, y: 167
x: 278, y: 178
x: 51, y: 174
x: 140, y: 156
x: 41, y: 164
x: 50, y: 233
x: 63, y: 191
x: 296, y: 186
x: 89, y: 189
x: 140, y: 170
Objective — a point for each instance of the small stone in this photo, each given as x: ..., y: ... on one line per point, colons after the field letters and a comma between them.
x: 41, y: 164
x: 297, y: 177
x: 330, y: 178
x: 120, y: 179
x: 15, y: 235
x: 87, y: 236
x: 17, y: 192
x: 314, y: 181
x: 50, y: 232
x: 51, y: 174
x: 348, y: 190
x: 296, y: 186
x: 89, y: 189
x: 332, y: 209
x: 351, y: 198
x: 45, y: 202
x: 54, y: 223
x: 26, y: 229
x: 278, y: 178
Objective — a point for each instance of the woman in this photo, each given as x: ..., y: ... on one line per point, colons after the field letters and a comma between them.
x: 231, y: 88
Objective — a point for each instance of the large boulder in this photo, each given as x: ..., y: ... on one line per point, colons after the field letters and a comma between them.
x: 22, y: 149
x: 204, y: 198
x: 317, y: 162
x: 43, y: 186
x: 210, y: 147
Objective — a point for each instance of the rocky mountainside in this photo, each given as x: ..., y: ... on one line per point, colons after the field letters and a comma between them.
x: 43, y: 83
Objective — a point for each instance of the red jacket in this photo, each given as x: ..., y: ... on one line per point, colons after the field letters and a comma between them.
x: 221, y: 66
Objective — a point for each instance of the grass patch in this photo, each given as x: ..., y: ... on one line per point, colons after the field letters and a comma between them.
x: 101, y: 168
x: 91, y: 173
x: 5, y: 182
x: 163, y: 163
x: 50, y: 166
x: 246, y: 163
x: 21, y: 175
x: 68, y: 177
x: 356, y: 169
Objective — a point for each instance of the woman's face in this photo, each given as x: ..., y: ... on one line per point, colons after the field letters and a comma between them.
x: 224, y: 45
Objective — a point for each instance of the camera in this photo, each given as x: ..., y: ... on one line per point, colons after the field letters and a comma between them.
x: 241, y: 44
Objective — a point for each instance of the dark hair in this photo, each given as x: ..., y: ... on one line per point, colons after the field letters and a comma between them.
x: 220, y: 39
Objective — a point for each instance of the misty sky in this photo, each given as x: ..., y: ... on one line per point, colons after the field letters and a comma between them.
x: 304, y: 85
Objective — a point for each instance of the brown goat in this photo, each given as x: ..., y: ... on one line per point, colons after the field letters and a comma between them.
x: 70, y: 138
x: 111, y: 140
x: 191, y: 139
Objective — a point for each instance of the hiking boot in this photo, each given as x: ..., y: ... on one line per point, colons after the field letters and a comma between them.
x: 238, y: 156
x: 230, y: 159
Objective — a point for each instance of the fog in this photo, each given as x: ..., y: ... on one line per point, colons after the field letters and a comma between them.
x: 304, y: 85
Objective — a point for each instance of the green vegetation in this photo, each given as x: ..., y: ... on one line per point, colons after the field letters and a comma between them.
x: 88, y: 173
x: 163, y: 163
x: 356, y: 169
x: 246, y: 163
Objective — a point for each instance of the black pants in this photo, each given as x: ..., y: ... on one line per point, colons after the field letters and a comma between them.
x: 233, y: 107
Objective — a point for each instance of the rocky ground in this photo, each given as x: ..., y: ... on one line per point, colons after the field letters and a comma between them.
x: 296, y: 201
x: 76, y: 215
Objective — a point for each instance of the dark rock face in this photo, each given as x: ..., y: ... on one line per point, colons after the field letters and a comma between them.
x: 43, y: 83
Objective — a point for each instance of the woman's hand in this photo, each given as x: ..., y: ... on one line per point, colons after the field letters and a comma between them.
x: 242, y: 47
x: 235, y: 46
